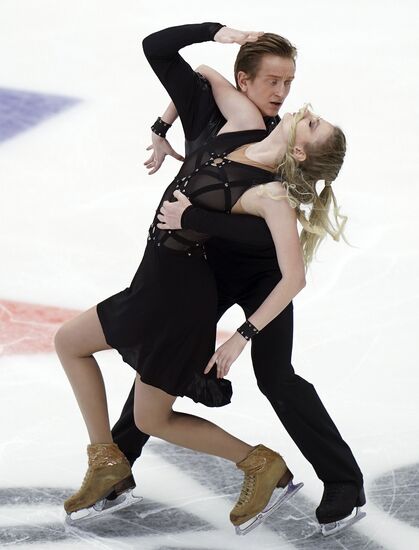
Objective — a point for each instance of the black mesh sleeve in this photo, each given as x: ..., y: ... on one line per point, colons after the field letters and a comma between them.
x: 241, y: 228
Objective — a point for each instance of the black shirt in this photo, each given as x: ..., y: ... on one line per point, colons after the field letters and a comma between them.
x: 201, y: 119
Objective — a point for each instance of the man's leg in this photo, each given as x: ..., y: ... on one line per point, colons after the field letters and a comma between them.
x: 126, y: 434
x: 295, y: 400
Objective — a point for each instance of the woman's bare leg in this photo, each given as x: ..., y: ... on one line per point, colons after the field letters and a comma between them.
x: 75, y: 342
x: 154, y: 415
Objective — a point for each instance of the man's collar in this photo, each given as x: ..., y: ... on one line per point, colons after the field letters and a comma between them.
x: 271, y: 122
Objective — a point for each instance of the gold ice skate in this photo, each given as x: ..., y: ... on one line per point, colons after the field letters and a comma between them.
x: 109, y: 472
x: 265, y: 470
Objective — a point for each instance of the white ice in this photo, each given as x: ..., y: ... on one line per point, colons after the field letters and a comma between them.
x: 75, y: 205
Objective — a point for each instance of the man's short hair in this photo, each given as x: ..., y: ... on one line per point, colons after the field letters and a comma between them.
x: 250, y: 54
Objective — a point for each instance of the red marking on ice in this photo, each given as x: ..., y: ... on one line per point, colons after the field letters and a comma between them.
x: 29, y: 328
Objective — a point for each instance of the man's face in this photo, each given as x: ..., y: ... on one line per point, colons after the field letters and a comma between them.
x: 271, y: 84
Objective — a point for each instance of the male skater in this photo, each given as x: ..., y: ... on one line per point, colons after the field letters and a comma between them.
x: 242, y: 255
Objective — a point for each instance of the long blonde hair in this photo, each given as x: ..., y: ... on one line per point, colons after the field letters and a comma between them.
x: 322, y: 163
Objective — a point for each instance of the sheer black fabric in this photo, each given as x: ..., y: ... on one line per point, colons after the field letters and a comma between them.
x: 210, y: 180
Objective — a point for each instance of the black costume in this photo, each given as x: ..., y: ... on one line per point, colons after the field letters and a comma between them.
x: 243, y: 259
x: 164, y: 324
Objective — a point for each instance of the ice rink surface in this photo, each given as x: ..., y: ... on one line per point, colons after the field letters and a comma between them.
x: 77, y: 99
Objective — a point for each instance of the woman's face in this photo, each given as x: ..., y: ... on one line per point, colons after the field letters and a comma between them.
x: 310, y: 129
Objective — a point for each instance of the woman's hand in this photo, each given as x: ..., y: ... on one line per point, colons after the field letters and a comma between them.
x: 232, y: 36
x: 226, y: 354
x: 170, y: 214
x: 161, y: 147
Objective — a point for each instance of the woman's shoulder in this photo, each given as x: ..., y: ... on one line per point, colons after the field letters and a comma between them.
x: 272, y: 199
x: 262, y: 198
x: 274, y: 190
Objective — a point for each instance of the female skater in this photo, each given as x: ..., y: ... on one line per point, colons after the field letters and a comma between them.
x: 164, y: 323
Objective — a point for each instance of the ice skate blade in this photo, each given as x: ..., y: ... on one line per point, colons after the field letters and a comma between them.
x: 101, y: 508
x: 288, y: 492
x: 334, y: 527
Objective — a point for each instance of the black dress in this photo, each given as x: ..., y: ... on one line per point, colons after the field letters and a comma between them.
x: 164, y: 323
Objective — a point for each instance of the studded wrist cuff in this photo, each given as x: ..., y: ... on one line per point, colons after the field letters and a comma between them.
x: 247, y: 330
x: 160, y: 127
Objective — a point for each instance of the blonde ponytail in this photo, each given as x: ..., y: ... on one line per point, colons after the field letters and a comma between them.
x: 323, y: 162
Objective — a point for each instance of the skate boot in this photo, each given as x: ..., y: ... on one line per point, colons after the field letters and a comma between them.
x: 264, y: 471
x: 340, y: 507
x: 109, y: 472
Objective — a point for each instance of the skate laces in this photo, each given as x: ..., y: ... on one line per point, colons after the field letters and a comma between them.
x: 247, y: 489
x: 104, y: 455
x: 99, y: 456
x: 84, y: 483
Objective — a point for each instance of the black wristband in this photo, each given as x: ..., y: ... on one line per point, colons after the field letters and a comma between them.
x: 160, y: 127
x: 183, y: 218
x: 247, y: 330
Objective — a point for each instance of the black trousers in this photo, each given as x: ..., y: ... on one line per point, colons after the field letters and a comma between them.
x: 294, y: 400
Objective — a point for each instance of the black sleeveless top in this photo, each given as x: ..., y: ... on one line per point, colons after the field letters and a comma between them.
x: 211, y: 181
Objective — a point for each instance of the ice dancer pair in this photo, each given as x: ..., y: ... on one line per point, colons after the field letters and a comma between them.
x: 234, y: 158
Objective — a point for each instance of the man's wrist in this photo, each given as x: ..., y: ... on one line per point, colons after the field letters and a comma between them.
x: 214, y: 28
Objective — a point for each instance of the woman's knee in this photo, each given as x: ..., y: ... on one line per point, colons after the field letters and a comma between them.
x: 81, y: 336
x: 152, y: 408
x: 145, y: 424
x: 63, y: 340
x: 149, y: 422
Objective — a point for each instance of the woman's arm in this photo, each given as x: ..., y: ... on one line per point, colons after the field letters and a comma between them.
x: 239, y: 112
x: 281, y: 219
x: 282, y: 222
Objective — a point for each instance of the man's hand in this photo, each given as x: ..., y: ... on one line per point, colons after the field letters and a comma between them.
x: 171, y: 212
x: 232, y: 36
x: 226, y: 354
x: 161, y: 147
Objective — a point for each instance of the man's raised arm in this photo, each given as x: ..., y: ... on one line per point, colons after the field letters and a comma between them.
x: 190, y: 93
